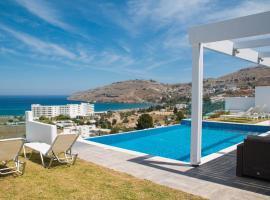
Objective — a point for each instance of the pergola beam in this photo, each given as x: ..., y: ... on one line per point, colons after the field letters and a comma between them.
x: 252, y: 43
x: 227, y: 47
x: 264, y: 54
x: 252, y: 25
x: 265, y: 61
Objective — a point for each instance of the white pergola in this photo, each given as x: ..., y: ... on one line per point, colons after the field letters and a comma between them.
x: 241, y: 38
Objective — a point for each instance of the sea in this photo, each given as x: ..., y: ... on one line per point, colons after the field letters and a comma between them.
x: 17, y: 105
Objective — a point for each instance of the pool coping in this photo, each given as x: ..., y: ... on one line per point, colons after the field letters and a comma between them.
x: 204, y: 159
x: 131, y: 152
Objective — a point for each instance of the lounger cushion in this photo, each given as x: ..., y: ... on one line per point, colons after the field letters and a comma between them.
x: 38, y: 146
x: 63, y: 142
x: 10, y: 148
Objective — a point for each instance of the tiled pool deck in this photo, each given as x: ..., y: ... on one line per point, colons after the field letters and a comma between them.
x: 214, y: 179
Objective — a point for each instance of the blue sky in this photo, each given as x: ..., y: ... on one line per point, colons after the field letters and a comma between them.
x: 59, y: 46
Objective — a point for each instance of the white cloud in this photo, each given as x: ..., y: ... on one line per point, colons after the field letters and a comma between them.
x: 80, y: 58
x: 45, y: 48
x: 4, y: 50
x: 164, y: 12
x: 141, y: 15
x: 244, y: 8
x: 43, y: 10
x: 159, y: 25
x: 162, y: 63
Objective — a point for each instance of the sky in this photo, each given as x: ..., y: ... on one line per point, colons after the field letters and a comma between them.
x: 60, y: 47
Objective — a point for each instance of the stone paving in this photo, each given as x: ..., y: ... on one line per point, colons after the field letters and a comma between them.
x: 213, y: 180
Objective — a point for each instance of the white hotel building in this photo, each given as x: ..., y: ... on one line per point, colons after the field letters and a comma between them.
x: 70, y: 110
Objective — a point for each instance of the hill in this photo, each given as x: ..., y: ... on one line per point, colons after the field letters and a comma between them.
x: 241, y: 82
x: 127, y: 91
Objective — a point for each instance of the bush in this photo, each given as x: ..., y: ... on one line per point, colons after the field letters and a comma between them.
x: 218, y: 113
x: 125, y: 120
x: 179, y: 116
x: 115, y: 130
x: 114, y: 121
x: 78, y: 121
x: 145, y: 121
x: 42, y: 118
x: 61, y: 117
x: 106, y: 124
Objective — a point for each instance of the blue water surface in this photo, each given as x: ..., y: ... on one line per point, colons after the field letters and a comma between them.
x: 174, y: 141
x: 17, y: 105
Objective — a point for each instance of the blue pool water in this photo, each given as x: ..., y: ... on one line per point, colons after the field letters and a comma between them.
x: 174, y: 141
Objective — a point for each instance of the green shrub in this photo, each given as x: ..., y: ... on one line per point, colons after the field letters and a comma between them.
x: 114, y: 121
x: 115, y: 130
x: 145, y: 121
x: 218, y: 113
x: 180, y: 115
x: 61, y: 117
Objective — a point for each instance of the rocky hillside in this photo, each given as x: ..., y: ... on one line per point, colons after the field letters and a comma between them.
x: 127, y: 91
x: 151, y: 91
x: 252, y: 76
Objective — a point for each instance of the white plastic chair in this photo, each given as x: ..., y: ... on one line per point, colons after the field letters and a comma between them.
x: 62, y: 144
x: 9, y: 152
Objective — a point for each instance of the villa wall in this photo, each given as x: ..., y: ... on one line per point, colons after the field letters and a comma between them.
x: 39, y: 132
x: 236, y: 104
x: 262, y: 97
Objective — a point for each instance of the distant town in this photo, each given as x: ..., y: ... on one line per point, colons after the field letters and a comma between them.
x: 222, y: 96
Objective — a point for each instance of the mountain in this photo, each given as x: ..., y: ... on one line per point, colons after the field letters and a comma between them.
x: 134, y: 91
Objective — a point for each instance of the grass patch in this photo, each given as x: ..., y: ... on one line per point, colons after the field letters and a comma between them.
x: 82, y: 181
x: 238, y: 120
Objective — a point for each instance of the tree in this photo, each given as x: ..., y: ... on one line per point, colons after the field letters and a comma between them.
x: 62, y: 117
x: 43, y: 118
x: 115, y: 129
x: 179, y: 116
x: 125, y: 120
x: 105, y: 124
x: 175, y: 110
x: 114, y: 121
x: 145, y: 121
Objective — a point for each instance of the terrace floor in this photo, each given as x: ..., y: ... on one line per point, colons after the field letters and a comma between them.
x: 214, y: 180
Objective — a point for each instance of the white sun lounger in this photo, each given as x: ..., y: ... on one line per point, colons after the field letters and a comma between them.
x: 239, y: 115
x: 9, y: 152
x: 62, y: 144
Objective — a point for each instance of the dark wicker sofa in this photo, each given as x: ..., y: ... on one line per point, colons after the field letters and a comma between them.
x: 253, y: 157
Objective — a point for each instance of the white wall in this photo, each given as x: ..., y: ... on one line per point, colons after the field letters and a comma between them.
x: 262, y: 97
x: 39, y: 132
x: 235, y: 104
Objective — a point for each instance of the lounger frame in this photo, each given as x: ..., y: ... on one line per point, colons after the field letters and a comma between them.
x: 69, y: 158
x: 19, y: 166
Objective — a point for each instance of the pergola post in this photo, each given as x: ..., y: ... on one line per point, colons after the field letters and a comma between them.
x: 197, y: 95
x: 221, y: 37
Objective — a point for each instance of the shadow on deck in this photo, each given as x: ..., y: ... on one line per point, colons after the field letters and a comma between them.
x: 220, y: 170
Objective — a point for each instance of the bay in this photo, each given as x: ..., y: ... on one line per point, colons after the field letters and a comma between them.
x: 17, y: 105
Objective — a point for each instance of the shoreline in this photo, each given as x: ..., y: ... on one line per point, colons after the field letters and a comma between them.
x: 98, y: 112
x: 16, y: 105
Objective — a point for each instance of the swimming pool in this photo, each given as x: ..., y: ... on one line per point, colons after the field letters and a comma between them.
x: 174, y: 141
